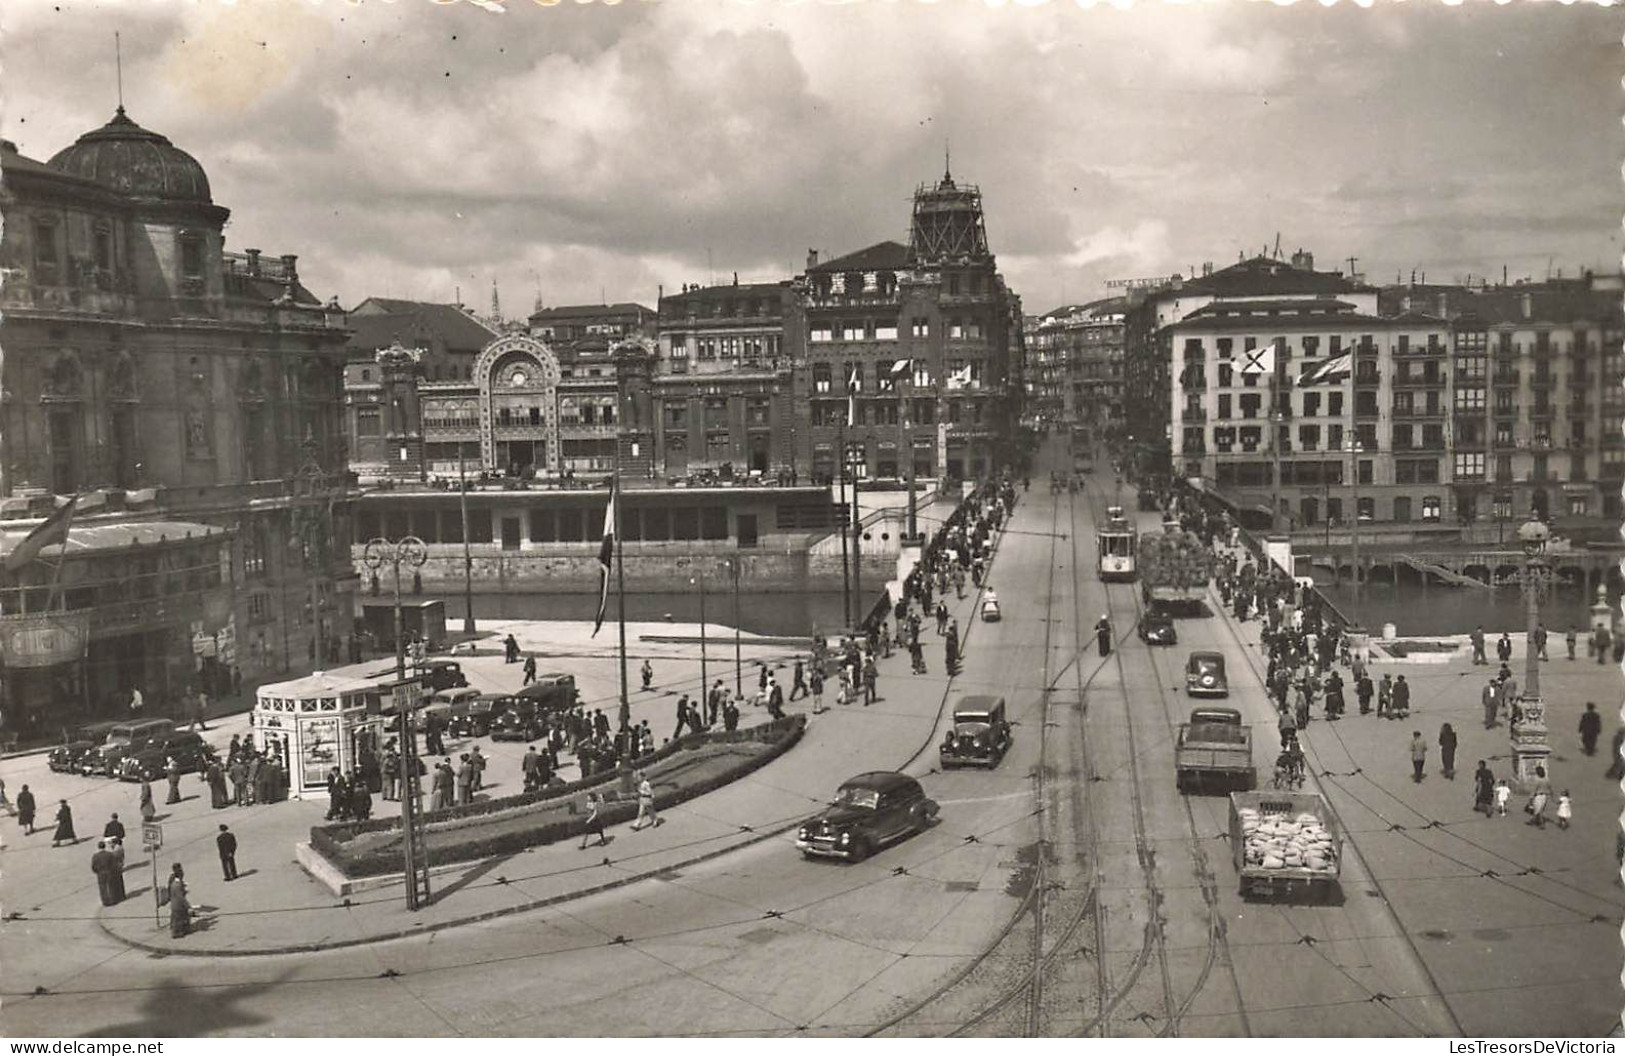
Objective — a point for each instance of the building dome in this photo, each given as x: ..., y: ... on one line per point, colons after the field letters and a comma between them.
x: 127, y: 158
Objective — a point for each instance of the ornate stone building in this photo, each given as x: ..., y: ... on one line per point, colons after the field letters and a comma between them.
x: 190, y: 397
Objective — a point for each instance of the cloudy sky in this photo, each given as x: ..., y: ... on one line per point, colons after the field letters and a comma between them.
x: 585, y: 151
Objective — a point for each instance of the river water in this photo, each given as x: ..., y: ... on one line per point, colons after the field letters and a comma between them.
x: 1456, y: 610
x: 772, y: 614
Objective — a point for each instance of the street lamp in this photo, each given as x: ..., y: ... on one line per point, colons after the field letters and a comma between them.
x: 411, y: 551
x: 1529, y: 747
x: 739, y: 667
x: 698, y: 579
x: 1355, y: 450
x: 1277, y: 420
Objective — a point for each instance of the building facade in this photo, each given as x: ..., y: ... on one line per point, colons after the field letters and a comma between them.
x: 1075, y: 363
x: 190, y: 398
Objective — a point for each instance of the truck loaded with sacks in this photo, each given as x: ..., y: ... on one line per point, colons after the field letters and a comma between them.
x: 1285, y: 843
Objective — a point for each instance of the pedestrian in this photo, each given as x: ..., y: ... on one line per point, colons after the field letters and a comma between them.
x: 226, y: 844
x: 1477, y: 638
x: 64, y: 826
x: 818, y: 691
x: 1503, y: 648
x: 1490, y: 696
x: 916, y: 654
x: 1402, y: 698
x: 200, y: 713
x: 775, y: 698
x: 1571, y: 638
x: 1590, y: 729
x: 1565, y: 809
x: 180, y: 907
x: 476, y: 760
x: 1616, y: 760
x: 1483, y: 789
x: 798, y: 680
x: 1103, y: 635
x: 648, y: 673
x: 1503, y: 792
x: 1601, y: 637
x: 103, y: 864
x: 1447, y: 751
x: 595, y: 822
x: 441, y: 787
x: 870, y: 677
x: 1289, y: 729
x: 137, y: 703
x: 1538, y: 646
x: 950, y: 651
x: 114, y: 829
x: 510, y: 650
x: 647, y: 818
x: 1363, y: 690
x: 360, y: 796
x: 465, y: 780
x: 1538, y: 798
x: 1385, y: 697
x: 530, y: 670
x: 5, y: 804
x: 237, y: 770
x: 25, y: 811
x: 172, y: 769
x: 1419, y: 755
x: 942, y: 617
x: 392, y: 775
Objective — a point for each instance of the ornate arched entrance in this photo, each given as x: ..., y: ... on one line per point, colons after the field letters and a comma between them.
x: 518, y: 378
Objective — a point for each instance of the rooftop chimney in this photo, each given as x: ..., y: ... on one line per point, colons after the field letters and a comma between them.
x: 288, y: 269
x: 1443, y: 305
x: 1303, y: 261
x: 253, y: 256
x: 812, y: 259
x: 1526, y: 304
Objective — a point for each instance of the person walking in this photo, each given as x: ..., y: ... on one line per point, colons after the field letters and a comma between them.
x: 1616, y: 762
x: 1362, y: 691
x: 1419, y: 755
x: 1571, y: 638
x: 465, y: 780
x: 392, y: 775
x: 1385, y: 697
x: 647, y: 818
x: 1490, y: 697
x: 1103, y: 635
x: 594, y: 825
x: 1477, y: 638
x: 1590, y: 729
x: 1539, y: 796
x: 1539, y: 644
x: 818, y: 692
x: 798, y: 680
x: 114, y: 829
x: 1599, y: 642
x: 1402, y: 698
x: 25, y: 811
x: 1503, y: 793
x: 180, y: 906
x: 237, y: 770
x: 226, y: 844
x: 218, y: 799
x: 441, y: 787
x: 942, y: 617
x: 105, y: 866
x: 476, y: 760
x: 530, y: 671
x: 172, y: 770
x: 648, y: 673
x: 870, y: 677
x: 510, y: 650
x: 64, y: 826
x: 1565, y: 809
x: 1503, y: 648
x: 1447, y: 751
x: 1483, y: 789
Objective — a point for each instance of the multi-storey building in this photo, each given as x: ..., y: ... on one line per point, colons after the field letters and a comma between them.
x: 918, y: 344
x: 1075, y: 362
x: 190, y: 398
x: 590, y: 326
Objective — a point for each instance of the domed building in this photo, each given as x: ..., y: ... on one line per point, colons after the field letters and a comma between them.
x: 187, y: 399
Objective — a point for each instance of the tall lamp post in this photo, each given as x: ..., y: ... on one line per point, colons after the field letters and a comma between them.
x: 698, y: 580
x: 1277, y: 420
x: 413, y: 552
x: 1355, y: 449
x: 1529, y: 747
x: 739, y: 666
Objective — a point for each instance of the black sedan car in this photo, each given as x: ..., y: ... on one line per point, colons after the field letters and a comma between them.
x: 189, y: 750
x: 518, y: 720
x: 477, y: 721
x: 1157, y: 628
x: 69, y: 757
x: 869, y: 812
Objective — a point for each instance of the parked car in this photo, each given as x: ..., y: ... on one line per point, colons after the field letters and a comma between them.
x: 552, y: 691
x: 519, y: 720
x: 1157, y: 628
x: 1204, y: 675
x: 152, y: 759
x: 869, y: 812
x: 443, y: 674
x: 980, y: 734
x: 122, y: 739
x: 446, y: 705
x: 481, y: 713
x: 990, y: 607
x: 68, y: 757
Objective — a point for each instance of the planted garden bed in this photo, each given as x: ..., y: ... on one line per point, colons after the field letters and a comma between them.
x: 679, y: 771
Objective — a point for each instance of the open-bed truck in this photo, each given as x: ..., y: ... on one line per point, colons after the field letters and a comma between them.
x: 1291, y: 881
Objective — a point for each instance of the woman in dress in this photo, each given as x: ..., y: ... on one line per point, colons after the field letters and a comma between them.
x: 148, y: 811
x: 1483, y: 789
x: 180, y: 909
x: 25, y: 810
x: 64, y: 826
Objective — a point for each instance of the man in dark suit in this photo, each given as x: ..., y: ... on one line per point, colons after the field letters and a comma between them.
x: 226, y: 842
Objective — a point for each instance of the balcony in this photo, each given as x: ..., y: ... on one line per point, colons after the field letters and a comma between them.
x: 1402, y: 381
x: 1192, y: 414
x: 1367, y: 379
x: 1504, y: 377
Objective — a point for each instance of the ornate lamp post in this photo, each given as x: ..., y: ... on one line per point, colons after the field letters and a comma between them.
x: 411, y: 551
x: 1529, y: 747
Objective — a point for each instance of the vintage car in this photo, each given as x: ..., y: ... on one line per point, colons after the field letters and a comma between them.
x: 1204, y: 675
x: 443, y: 674
x: 990, y: 607
x: 518, y: 720
x: 121, y: 740
x: 980, y: 734
x: 69, y: 756
x: 446, y: 705
x: 1157, y: 628
x: 150, y: 760
x: 869, y: 812
x: 552, y: 691
x: 477, y: 720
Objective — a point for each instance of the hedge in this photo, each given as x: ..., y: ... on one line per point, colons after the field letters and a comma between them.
x: 330, y: 840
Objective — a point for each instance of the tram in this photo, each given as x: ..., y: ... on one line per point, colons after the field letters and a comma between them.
x: 1117, y: 547
x: 1083, y: 450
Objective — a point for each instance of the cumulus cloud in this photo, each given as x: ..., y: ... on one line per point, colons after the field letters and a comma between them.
x: 588, y: 148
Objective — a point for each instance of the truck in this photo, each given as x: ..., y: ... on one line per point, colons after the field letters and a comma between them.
x: 1214, y: 749
x: 1285, y: 844
x: 1174, y: 571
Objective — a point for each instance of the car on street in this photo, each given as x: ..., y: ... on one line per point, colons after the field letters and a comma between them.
x: 552, y: 691
x: 980, y: 735
x: 122, y: 739
x: 481, y: 713
x: 443, y: 674
x: 870, y: 811
x: 68, y: 757
x: 150, y: 761
x: 990, y: 608
x: 446, y: 705
x: 1157, y: 628
x: 1204, y: 675
x: 519, y: 720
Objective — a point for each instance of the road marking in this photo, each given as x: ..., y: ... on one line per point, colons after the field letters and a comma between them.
x: 1023, y: 794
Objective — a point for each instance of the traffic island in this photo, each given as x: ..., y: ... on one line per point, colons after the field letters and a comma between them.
x: 351, y: 857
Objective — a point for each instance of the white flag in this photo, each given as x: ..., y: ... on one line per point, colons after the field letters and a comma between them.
x: 1259, y: 360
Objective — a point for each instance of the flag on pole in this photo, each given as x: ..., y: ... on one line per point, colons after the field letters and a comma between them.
x: 1259, y: 360
x: 54, y: 529
x: 959, y: 378
x: 899, y: 369
x: 853, y: 381
x: 1328, y: 371
x: 606, y: 552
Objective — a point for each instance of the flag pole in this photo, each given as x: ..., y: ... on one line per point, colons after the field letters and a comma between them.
x: 846, y: 568
x: 620, y: 591
x: 61, y: 557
